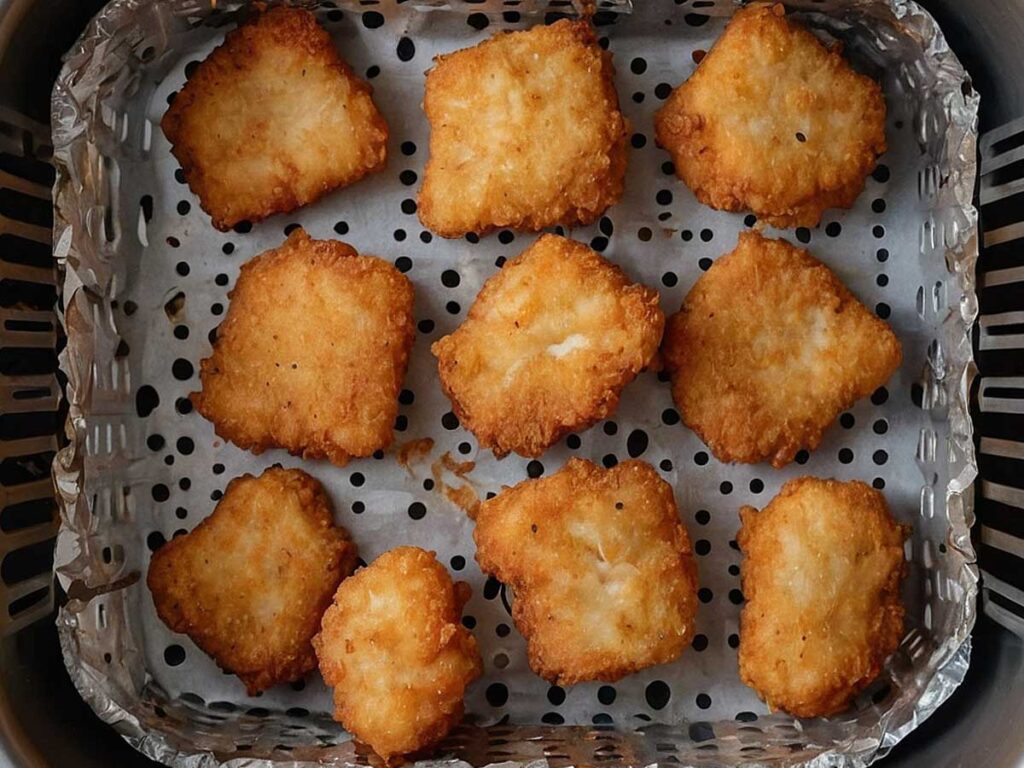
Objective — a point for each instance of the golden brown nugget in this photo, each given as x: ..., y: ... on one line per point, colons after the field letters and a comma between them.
x: 251, y: 582
x: 600, y: 566
x: 525, y: 132
x: 394, y: 649
x: 774, y: 122
x: 312, y: 352
x: 547, y: 347
x: 769, y: 348
x: 273, y: 119
x: 821, y: 576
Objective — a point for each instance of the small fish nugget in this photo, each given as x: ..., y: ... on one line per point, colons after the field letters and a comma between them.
x: 273, y: 119
x: 312, y: 352
x: 394, y: 649
x: 547, y: 347
x: 250, y: 584
x: 525, y: 132
x: 600, y: 566
x: 769, y: 348
x: 774, y: 122
x: 822, y: 566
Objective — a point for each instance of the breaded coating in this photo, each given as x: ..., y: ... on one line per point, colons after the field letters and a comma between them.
x: 774, y: 122
x: 312, y: 352
x: 251, y: 582
x: 769, y: 348
x: 547, y: 347
x: 601, y: 568
x: 821, y: 576
x: 394, y: 649
x: 273, y: 119
x: 525, y: 132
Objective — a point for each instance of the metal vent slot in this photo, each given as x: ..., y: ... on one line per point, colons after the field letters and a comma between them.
x: 1004, y: 330
x: 1000, y: 389
x: 28, y: 525
x: 1002, y: 277
x: 1001, y: 394
x: 30, y: 394
x: 994, y: 446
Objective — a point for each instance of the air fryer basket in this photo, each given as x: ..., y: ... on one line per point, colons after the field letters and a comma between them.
x: 42, y: 721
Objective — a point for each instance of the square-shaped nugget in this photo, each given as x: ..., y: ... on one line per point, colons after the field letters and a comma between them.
x: 312, y: 352
x: 604, y: 578
x: 774, y: 122
x: 525, y: 132
x: 547, y: 347
x: 769, y: 348
x: 250, y: 584
x: 272, y: 120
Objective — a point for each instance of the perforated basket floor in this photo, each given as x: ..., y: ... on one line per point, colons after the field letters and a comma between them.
x: 153, y: 468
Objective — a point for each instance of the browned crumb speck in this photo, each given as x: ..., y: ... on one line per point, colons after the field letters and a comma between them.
x: 463, y: 495
x: 413, y: 452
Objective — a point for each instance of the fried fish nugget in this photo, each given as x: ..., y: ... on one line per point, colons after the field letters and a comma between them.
x: 769, y: 348
x: 821, y: 576
x: 312, y: 353
x: 525, y: 132
x: 273, y: 119
x: 773, y: 122
x: 547, y: 347
x: 603, y: 574
x: 394, y: 649
x: 251, y: 582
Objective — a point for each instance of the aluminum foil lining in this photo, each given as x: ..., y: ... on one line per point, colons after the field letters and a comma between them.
x: 145, y: 282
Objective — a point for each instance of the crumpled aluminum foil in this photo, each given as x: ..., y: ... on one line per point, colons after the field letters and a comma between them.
x: 107, y: 628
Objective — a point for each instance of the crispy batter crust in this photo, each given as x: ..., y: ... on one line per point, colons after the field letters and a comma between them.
x: 394, y: 649
x: 773, y: 122
x: 525, y: 132
x: 273, y: 119
x: 821, y: 576
x: 547, y: 347
x: 602, y: 570
x: 312, y: 353
x: 251, y: 582
x: 769, y: 348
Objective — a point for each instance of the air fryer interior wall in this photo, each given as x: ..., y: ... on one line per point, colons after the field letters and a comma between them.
x: 49, y: 725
